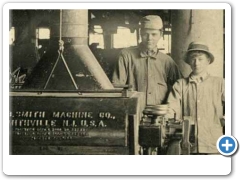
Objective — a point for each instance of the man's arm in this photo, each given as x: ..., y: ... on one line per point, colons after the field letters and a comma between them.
x: 174, y: 74
x: 174, y: 100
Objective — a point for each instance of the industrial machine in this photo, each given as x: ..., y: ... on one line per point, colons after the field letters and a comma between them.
x: 67, y: 105
x: 160, y: 135
x: 102, y: 122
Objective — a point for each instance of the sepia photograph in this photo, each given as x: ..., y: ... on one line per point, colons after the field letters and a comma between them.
x: 106, y: 81
x: 137, y: 82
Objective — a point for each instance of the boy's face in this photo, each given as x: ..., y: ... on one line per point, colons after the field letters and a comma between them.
x: 198, y: 61
x: 150, y: 38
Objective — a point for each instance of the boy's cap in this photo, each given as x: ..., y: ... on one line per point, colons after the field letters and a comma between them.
x: 151, y: 22
x: 198, y: 46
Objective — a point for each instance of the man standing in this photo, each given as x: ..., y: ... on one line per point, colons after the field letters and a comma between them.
x: 200, y: 98
x: 144, y: 67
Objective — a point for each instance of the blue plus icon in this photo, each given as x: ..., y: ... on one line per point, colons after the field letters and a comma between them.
x: 227, y: 145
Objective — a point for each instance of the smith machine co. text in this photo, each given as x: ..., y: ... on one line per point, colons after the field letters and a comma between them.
x: 56, y: 125
x: 63, y: 119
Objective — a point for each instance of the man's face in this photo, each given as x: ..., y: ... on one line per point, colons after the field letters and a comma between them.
x: 199, y: 62
x: 150, y: 38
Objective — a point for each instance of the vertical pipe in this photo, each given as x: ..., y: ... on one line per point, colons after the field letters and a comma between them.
x: 75, y: 29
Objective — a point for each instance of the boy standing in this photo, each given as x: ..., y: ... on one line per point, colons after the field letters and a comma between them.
x: 145, y: 68
x: 200, y: 97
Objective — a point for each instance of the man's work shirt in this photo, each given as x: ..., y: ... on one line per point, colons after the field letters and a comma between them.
x: 201, y: 99
x: 149, y: 72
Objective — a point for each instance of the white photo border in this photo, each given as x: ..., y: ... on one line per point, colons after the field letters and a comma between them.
x: 118, y: 164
